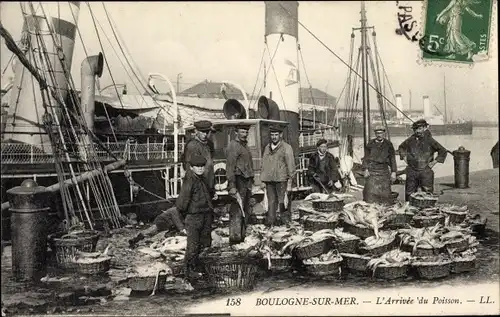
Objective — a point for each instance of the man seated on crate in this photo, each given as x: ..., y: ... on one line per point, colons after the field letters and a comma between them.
x: 169, y: 220
x: 322, y: 171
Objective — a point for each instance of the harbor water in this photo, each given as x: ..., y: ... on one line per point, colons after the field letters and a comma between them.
x: 479, y: 143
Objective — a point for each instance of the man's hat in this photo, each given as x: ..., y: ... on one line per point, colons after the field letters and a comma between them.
x: 244, y: 126
x: 419, y: 123
x: 275, y: 128
x: 379, y: 128
x: 321, y: 141
x: 204, y: 125
x: 197, y: 160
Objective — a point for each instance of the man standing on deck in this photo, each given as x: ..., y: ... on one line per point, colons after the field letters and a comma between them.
x: 200, y: 145
x: 322, y: 170
x: 277, y: 171
x: 418, y: 153
x: 379, y: 164
x: 239, y: 167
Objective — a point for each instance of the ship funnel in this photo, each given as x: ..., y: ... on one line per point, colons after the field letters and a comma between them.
x: 399, y: 105
x: 91, y: 67
x: 233, y: 109
x: 268, y: 109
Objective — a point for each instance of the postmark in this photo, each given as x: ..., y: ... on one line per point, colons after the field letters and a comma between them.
x: 456, y: 31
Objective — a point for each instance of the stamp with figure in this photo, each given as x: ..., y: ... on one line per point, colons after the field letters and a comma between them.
x: 457, y: 31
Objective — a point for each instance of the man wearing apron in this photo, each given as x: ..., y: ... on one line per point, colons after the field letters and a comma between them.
x: 379, y: 164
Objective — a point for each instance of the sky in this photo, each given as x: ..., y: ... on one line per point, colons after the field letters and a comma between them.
x: 225, y: 41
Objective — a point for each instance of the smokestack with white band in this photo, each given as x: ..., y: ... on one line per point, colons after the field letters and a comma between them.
x: 427, y: 107
x: 62, y: 18
x: 399, y: 105
x: 283, y: 80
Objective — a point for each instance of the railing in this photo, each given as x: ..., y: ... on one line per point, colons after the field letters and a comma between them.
x: 21, y: 153
x: 309, y: 138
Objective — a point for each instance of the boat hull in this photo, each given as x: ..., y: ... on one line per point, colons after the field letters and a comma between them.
x: 406, y: 130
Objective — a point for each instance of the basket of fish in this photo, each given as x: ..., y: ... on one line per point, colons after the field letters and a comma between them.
x: 362, y: 219
x: 390, y: 265
x: 320, y: 222
x: 311, y: 246
x: 327, y: 202
x: 148, y: 277
x: 400, y: 215
x: 324, y: 264
x: 276, y: 262
x: 90, y: 263
x: 458, y: 239
x: 423, y: 199
x: 477, y: 223
x: 357, y: 263
x: 377, y: 245
x: 345, y: 242
x: 279, y: 236
x: 464, y: 261
x: 229, y: 270
x: 455, y: 214
x: 68, y: 245
x: 430, y: 268
x: 422, y: 242
x: 428, y: 217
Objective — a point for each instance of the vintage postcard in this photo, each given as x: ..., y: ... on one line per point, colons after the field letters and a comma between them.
x: 274, y: 158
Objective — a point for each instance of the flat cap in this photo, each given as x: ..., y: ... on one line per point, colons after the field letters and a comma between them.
x: 379, y: 128
x: 197, y: 160
x: 275, y: 128
x: 321, y: 141
x: 419, y: 123
x: 203, y: 125
x: 244, y: 126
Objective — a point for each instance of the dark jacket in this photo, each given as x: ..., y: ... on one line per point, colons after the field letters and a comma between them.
x: 278, y: 165
x: 194, y: 197
x: 239, y: 162
x: 380, y: 155
x: 196, y: 147
x: 419, y: 151
x: 331, y: 168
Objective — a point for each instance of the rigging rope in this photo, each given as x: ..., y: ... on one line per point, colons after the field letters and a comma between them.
x: 258, y: 73
x: 274, y: 71
x: 338, y: 57
x: 307, y: 77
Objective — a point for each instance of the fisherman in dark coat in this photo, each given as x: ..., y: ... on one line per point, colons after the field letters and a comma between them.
x: 322, y: 170
x: 379, y: 164
x: 195, y: 203
x: 239, y: 172
x: 418, y: 153
x: 200, y: 145
x: 277, y: 171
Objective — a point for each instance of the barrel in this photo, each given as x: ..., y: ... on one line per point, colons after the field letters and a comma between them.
x: 461, y: 158
x: 29, y: 213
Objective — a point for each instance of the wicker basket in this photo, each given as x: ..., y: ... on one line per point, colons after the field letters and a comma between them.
x: 422, y: 203
x: 231, y: 272
x: 328, y: 205
x: 422, y: 250
x: 347, y: 245
x: 459, y: 245
x: 279, y: 264
x: 98, y: 267
x: 428, y: 221
x: 390, y: 271
x: 313, y: 249
x: 331, y: 267
x: 146, y: 283
x: 455, y: 217
x: 429, y: 269
x: 460, y: 265
x: 303, y: 212
x: 316, y: 225
x: 358, y: 231
x: 399, y: 220
x: 67, y: 246
x: 377, y: 251
x: 355, y: 262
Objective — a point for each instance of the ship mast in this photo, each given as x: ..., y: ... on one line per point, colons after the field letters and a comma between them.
x: 445, y: 119
x: 364, y: 74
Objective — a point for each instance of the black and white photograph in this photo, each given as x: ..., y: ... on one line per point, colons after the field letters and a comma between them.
x: 253, y: 158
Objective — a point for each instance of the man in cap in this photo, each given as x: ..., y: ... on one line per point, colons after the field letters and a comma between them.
x: 239, y: 172
x: 379, y: 164
x: 322, y: 170
x: 277, y: 171
x: 418, y: 153
x: 195, y: 203
x: 200, y: 145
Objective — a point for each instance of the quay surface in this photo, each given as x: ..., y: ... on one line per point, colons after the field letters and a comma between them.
x: 96, y: 295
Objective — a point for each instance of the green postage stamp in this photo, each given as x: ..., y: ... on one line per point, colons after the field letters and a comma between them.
x: 457, y: 30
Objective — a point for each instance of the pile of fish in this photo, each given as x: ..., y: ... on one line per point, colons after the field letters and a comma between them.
x: 327, y: 197
x: 330, y: 256
x: 424, y: 196
x: 362, y: 214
